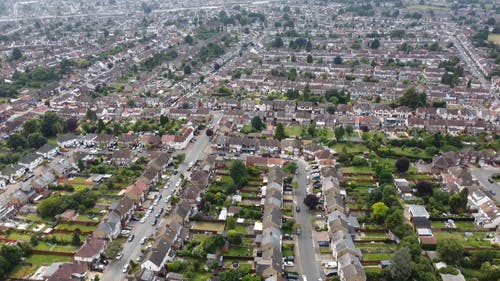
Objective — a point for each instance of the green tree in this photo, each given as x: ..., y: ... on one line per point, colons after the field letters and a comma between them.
x: 188, y: 39
x: 339, y: 132
x: 257, y: 123
x: 75, y: 240
x: 400, y: 268
x: 458, y: 201
x: 101, y: 127
x: 36, y: 140
x: 292, y: 74
x: 239, y: 174
x: 279, y: 132
x: 113, y: 249
x: 450, y: 251
x: 31, y: 126
x: 489, y: 272
x: 394, y: 219
x: 234, y: 237
x: 15, y: 142
x: 379, y: 211
x: 374, y: 44
x: 277, y: 42
x: 413, y: 99
x: 402, y: 165
x: 348, y: 130
x: 51, y: 125
x: 187, y: 69
x: 309, y: 59
x: 16, y: 54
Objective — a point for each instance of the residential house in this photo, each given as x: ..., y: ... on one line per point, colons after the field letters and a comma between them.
x: 108, y: 228
x: 122, y: 157
x: 418, y: 211
x: 48, y: 151
x: 123, y: 209
x: 156, y: 257
x: 68, y: 140
x: 91, y: 250
x: 31, y: 161
x: 10, y: 173
x: 70, y: 272
x: 403, y: 187
x: 350, y: 268
x: 137, y: 191
x: 182, y: 212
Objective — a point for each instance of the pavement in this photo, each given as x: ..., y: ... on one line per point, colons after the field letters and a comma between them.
x: 307, y: 252
x: 482, y: 175
x: 131, y: 250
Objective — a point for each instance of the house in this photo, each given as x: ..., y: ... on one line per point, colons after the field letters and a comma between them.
x: 48, y: 151
x: 462, y: 176
x: 350, y: 268
x: 158, y: 256
x: 122, y: 157
x: 418, y: 211
x: 344, y: 245
x: 91, y: 250
x: 68, y: 140
x: 403, y: 187
x: 108, y: 228
x: 12, y: 172
x: 70, y: 272
x: 333, y: 201
x: 182, y: 212
x: 180, y: 141
x: 137, y: 191
x: 127, y: 140
x: 31, y: 161
x: 172, y: 276
x: 124, y: 209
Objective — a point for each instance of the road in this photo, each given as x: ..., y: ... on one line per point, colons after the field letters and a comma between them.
x: 306, y: 248
x: 131, y: 250
x: 482, y: 175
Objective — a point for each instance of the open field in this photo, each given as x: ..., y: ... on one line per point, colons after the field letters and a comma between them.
x: 21, y: 271
x: 477, y: 240
x: 495, y: 38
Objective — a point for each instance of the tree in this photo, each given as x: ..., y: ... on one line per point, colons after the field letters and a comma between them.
x: 489, y: 272
x: 402, y: 165
x: 238, y: 172
x: 309, y: 58
x: 75, y: 240
x: 187, y: 69
x: 331, y: 109
x: 458, y: 201
x: 257, y: 123
x: 15, y: 142
x: 450, y: 251
x: 36, y: 140
x: 379, y: 211
x: 81, y: 165
x: 101, y: 127
x: 348, y: 130
x: 374, y: 44
x: 424, y: 188
x: 234, y: 237
x: 413, y: 99
x: 51, y: 125
x: 277, y: 42
x: 290, y: 167
x: 113, y: 249
x: 339, y: 132
x: 400, y: 268
x: 337, y: 60
x: 16, y: 54
x: 188, y: 39
x: 394, y: 219
x: 311, y: 201
x: 279, y: 133
x: 292, y: 74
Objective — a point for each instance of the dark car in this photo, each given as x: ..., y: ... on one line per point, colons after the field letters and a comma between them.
x: 491, y: 180
x: 155, y: 222
x: 297, y: 209
x: 287, y: 236
x: 291, y: 276
x: 131, y: 238
x: 290, y: 258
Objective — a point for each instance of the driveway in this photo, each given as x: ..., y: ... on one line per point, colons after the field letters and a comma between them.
x: 306, y: 250
x: 482, y: 175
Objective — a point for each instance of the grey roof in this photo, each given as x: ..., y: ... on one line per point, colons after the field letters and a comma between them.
x: 159, y: 252
x: 11, y: 169
x: 46, y: 148
x: 67, y: 137
x: 271, y: 235
x: 418, y: 211
x: 29, y: 158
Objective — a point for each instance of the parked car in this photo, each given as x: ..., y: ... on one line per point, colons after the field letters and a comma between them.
x: 126, y: 268
x: 154, y: 222
x: 131, y: 238
x: 143, y: 240
x: 288, y: 263
x: 297, y: 209
x: 491, y: 180
x: 119, y: 256
x: 298, y: 231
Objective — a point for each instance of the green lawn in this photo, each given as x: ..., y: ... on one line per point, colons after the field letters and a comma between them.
x: 427, y: 7
x: 495, y: 38
x: 56, y: 248
x: 459, y: 224
x: 356, y: 169
x: 374, y: 247
x: 76, y: 226
x: 411, y: 152
x: 350, y: 148
x: 288, y: 250
x: 477, y: 240
x: 374, y: 235
x: 239, y: 252
x: 295, y: 131
x: 241, y: 228
x: 36, y: 261
x: 374, y: 269
x: 376, y: 256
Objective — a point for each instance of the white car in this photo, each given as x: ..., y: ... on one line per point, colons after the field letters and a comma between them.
x: 143, y: 220
x: 289, y: 263
x: 126, y: 268
x: 155, y: 203
x: 119, y: 256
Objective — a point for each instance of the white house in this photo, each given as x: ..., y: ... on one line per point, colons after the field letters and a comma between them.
x: 48, y: 151
x: 31, y: 161
x: 160, y: 254
x: 67, y: 140
x: 181, y: 141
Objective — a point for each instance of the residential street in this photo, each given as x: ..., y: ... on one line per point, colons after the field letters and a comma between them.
x: 306, y: 249
x: 131, y: 250
x: 482, y: 175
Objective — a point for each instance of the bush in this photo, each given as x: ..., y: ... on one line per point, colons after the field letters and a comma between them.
x: 448, y: 270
